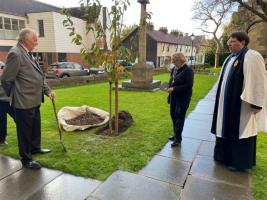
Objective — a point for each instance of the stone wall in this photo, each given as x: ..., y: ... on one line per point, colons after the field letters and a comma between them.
x: 83, y: 80
x: 258, y: 39
x: 75, y: 81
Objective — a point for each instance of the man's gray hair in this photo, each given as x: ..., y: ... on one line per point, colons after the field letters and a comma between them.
x: 24, y: 34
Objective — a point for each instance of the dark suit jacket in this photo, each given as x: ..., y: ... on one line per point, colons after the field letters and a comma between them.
x: 182, y: 83
x: 3, y: 96
x: 23, y: 80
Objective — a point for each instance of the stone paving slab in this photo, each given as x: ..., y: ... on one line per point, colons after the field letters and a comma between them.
x: 167, y: 170
x: 199, y: 134
x: 200, y: 117
x: 210, y: 98
x: 205, y: 166
x: 206, y: 148
x: 204, y: 110
x: 197, y: 188
x: 127, y: 186
x: 185, y: 152
x: 203, y: 125
x: 66, y: 187
x: 206, y: 102
x: 25, y: 182
x: 8, y: 166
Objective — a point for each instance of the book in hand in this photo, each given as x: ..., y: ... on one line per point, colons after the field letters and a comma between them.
x: 164, y: 86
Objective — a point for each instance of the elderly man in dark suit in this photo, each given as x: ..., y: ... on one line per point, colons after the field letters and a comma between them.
x: 180, y: 92
x: 24, y: 81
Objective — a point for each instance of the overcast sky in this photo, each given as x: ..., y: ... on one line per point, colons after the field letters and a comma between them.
x: 173, y: 14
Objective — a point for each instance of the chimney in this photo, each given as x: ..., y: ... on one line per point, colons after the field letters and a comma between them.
x: 163, y: 30
x: 150, y: 26
x: 175, y: 33
x: 180, y: 34
x: 104, y: 10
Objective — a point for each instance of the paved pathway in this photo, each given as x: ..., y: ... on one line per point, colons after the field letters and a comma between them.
x: 186, y: 172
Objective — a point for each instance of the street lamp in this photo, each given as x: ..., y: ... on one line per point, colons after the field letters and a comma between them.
x: 192, y: 36
x: 143, y: 1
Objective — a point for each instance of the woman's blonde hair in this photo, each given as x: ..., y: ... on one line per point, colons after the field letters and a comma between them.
x: 179, y: 56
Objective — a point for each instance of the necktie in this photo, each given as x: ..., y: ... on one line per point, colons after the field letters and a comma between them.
x: 30, y: 55
x: 33, y: 59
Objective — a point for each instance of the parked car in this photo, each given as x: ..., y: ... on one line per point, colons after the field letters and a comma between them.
x: 150, y: 63
x: 66, y: 69
x: 96, y: 70
x: 126, y: 65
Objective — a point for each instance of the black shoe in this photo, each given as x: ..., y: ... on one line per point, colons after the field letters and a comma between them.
x: 236, y: 169
x: 3, y: 143
x: 32, y: 165
x: 176, y: 143
x: 171, y: 138
x: 41, y: 151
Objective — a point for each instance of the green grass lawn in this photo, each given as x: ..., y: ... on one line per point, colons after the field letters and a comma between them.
x: 259, y: 173
x: 214, y: 70
x: 96, y: 156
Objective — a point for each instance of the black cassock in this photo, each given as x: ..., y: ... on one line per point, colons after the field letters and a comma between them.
x: 182, y: 82
x: 229, y: 149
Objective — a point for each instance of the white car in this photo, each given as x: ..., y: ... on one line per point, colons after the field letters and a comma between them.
x: 150, y: 63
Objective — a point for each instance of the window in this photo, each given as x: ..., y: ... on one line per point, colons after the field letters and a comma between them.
x: 77, y: 66
x: 177, y: 47
x: 41, y: 28
x: 168, y: 48
x: 69, y: 66
x: 9, y: 28
x: 21, y: 24
x: 1, y: 23
x: 15, y: 24
x: 62, y: 57
x: 7, y: 23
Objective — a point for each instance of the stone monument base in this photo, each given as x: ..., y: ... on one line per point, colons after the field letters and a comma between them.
x: 151, y: 87
x: 142, y: 79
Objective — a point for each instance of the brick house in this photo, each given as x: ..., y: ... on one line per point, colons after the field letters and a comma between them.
x: 54, y: 44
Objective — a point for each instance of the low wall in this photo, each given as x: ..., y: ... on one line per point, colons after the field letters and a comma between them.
x: 78, y: 80
x: 82, y: 80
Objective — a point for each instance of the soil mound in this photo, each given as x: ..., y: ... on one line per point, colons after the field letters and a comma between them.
x: 125, y: 121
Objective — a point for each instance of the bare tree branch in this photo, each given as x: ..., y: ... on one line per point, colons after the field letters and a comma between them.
x: 253, y: 23
x: 261, y: 3
x: 205, y: 31
x: 212, y: 11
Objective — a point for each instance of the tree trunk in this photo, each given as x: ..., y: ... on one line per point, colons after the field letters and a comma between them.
x: 110, y: 107
x: 217, y: 56
x: 116, y: 106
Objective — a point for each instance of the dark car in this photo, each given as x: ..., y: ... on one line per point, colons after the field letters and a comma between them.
x: 66, y: 69
x: 126, y: 65
x: 96, y: 70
